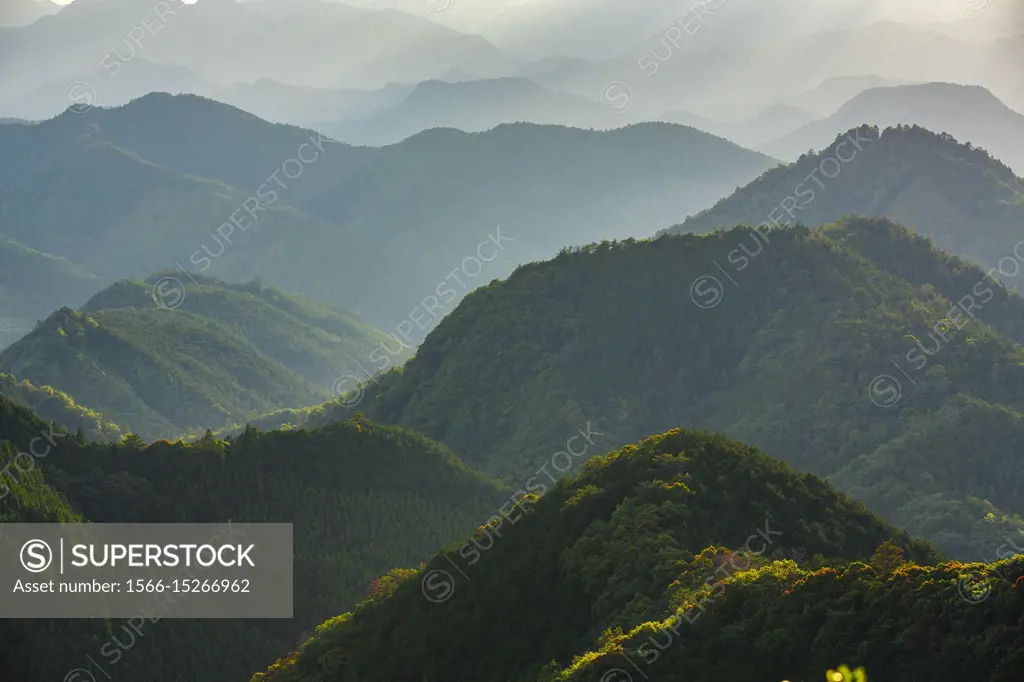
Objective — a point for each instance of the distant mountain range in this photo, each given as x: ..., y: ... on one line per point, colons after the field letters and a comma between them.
x: 385, y: 231
x: 968, y: 113
x: 729, y: 80
x: 578, y: 340
x: 330, y: 61
x: 832, y: 93
x: 269, y: 99
x: 160, y: 359
x: 967, y: 202
x: 473, y: 106
x: 749, y: 132
x: 311, y: 44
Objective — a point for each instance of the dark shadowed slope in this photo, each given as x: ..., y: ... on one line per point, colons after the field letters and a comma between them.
x: 680, y: 526
x: 363, y: 498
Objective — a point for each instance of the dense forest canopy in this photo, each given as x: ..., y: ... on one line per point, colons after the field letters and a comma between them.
x: 789, y: 359
x: 363, y: 499
x: 667, y: 555
x: 165, y: 357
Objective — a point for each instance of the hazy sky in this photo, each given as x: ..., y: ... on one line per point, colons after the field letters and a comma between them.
x: 923, y: 10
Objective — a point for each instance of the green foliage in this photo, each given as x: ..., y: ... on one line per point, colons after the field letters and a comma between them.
x: 785, y: 624
x: 968, y: 203
x: 786, y: 361
x: 578, y: 584
x: 226, y: 353
x: 59, y: 407
x: 566, y: 591
x: 887, y: 558
x: 363, y: 498
x: 844, y: 674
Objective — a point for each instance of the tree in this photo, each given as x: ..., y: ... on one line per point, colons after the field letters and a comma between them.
x: 887, y: 558
x: 133, y: 441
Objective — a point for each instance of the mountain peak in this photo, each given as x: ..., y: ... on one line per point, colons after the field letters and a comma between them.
x: 930, y: 181
x: 926, y: 94
x: 966, y: 112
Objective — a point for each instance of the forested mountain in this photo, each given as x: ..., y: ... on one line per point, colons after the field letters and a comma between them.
x: 790, y: 346
x: 574, y: 340
x: 163, y: 357
x: 958, y: 195
x: 388, y: 232
x: 363, y: 499
x: 60, y: 408
x: 968, y: 113
x: 681, y: 527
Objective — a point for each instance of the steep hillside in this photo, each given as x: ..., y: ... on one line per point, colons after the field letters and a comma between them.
x: 398, y: 234
x: 363, y: 498
x: 968, y: 203
x: 162, y: 357
x: 641, y: 535
x: 313, y: 339
x: 115, y: 213
x: 790, y: 346
x: 60, y: 408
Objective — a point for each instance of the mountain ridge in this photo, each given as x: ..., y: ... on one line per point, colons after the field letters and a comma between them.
x: 178, y: 181
x: 363, y: 498
x: 968, y: 113
x: 601, y: 553
x: 815, y: 318
x: 957, y: 195
x: 162, y: 357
